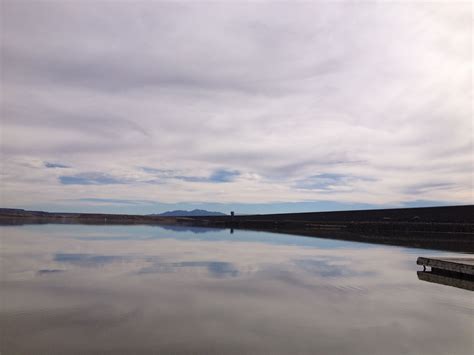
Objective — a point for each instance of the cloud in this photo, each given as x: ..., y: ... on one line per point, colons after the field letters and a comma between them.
x: 55, y: 165
x: 289, y: 102
x: 428, y: 186
x: 113, y: 201
x: 155, y: 171
x: 332, y: 182
x: 98, y: 178
x: 217, y: 176
x: 90, y: 179
x: 223, y: 176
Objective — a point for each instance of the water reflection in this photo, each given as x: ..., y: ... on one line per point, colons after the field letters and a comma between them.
x: 196, y: 230
x: 142, y: 289
x: 465, y: 282
x: 48, y: 271
x: 215, y: 268
x: 86, y: 260
x: 325, y: 268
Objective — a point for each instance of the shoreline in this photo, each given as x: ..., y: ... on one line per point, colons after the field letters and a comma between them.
x: 448, y: 228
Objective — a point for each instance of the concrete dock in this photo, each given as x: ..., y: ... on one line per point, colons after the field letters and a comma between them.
x: 463, y: 283
x: 464, y: 266
x: 455, y: 272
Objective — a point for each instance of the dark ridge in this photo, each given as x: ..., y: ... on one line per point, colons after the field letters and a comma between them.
x: 444, y: 214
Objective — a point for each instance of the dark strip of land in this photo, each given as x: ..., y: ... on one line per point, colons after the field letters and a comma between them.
x: 444, y: 228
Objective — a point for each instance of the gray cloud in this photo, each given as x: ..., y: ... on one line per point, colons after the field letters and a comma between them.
x: 330, y: 181
x: 159, y: 176
x: 429, y: 186
x: 229, y: 66
x: 322, y: 181
x: 90, y: 179
x: 113, y: 201
x: 217, y: 176
x: 155, y: 171
x: 55, y: 165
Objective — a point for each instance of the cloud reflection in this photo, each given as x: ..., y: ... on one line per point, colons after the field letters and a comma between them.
x: 86, y: 260
x: 215, y: 268
x: 246, y: 295
x: 325, y: 268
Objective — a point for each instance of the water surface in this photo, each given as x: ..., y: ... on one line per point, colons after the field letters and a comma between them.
x: 145, y: 289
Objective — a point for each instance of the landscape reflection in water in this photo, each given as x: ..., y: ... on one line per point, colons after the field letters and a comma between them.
x: 144, y: 289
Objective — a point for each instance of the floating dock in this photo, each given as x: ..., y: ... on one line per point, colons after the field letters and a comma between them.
x: 464, y: 266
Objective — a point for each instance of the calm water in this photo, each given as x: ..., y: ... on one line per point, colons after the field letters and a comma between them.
x: 142, y: 289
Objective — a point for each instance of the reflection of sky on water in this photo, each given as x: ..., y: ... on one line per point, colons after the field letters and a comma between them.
x: 48, y: 271
x: 143, y: 289
x: 141, y: 232
x: 197, y: 230
x: 215, y: 268
x: 325, y: 268
x: 88, y: 260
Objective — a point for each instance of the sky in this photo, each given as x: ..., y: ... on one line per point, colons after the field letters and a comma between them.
x: 257, y: 107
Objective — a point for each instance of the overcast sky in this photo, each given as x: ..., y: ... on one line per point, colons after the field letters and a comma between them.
x: 259, y: 107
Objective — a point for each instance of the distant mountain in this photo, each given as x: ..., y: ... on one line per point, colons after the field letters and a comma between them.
x: 193, y: 213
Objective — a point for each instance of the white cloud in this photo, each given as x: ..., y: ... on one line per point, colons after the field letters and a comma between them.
x: 380, y: 93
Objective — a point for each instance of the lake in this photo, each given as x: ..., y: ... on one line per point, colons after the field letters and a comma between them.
x: 175, y: 290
